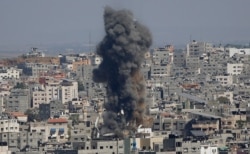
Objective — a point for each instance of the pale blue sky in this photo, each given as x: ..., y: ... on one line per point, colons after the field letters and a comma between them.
x: 25, y: 22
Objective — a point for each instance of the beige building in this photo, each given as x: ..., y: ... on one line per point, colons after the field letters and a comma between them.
x: 63, y: 90
x: 225, y: 80
x: 54, y: 129
x: 39, y: 97
x: 207, y: 126
x: 9, y: 125
x: 235, y: 69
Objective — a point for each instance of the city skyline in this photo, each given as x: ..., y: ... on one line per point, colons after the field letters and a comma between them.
x: 170, y: 22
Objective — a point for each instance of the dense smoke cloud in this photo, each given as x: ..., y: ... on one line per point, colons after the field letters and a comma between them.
x: 122, y: 51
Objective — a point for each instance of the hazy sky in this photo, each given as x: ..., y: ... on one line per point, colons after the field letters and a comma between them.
x: 25, y: 22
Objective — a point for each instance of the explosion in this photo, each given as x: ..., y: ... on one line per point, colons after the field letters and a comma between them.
x: 122, y: 50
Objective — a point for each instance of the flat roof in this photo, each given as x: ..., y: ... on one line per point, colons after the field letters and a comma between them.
x: 197, y: 133
x: 193, y: 98
x: 204, y: 114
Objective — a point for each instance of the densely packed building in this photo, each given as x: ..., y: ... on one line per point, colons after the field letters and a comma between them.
x: 198, y: 98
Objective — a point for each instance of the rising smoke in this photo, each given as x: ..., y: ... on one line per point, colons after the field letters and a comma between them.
x: 122, y: 51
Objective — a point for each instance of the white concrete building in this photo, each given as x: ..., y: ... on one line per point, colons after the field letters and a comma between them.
x: 52, y: 90
x: 225, y: 80
x: 4, y: 148
x: 68, y: 90
x: 9, y: 125
x: 208, y: 149
x: 9, y: 73
x: 232, y: 51
x: 235, y: 69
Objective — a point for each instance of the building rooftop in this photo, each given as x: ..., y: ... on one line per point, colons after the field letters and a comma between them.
x: 57, y: 120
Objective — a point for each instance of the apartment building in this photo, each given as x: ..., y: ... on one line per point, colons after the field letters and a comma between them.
x: 19, y: 100
x: 53, y: 108
x: 30, y: 140
x: 208, y: 149
x: 212, y: 68
x: 233, y: 51
x: 10, y: 73
x: 38, y: 97
x: 4, y: 149
x: 63, y: 90
x: 207, y: 126
x: 85, y: 72
x: 193, y: 62
x: 52, y: 90
x: 8, y: 125
x: 104, y: 147
x: 38, y: 69
x: 235, y: 68
x: 58, y: 129
x: 196, y: 49
x: 225, y: 80
x: 55, y: 130
x: 82, y: 61
x: 68, y: 91
x: 162, y: 55
x: 179, y: 58
x: 157, y: 71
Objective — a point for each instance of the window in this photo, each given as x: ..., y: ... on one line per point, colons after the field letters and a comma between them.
x: 178, y: 144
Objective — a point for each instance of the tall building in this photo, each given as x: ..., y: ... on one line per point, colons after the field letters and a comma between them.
x: 235, y: 68
x: 54, y: 108
x: 196, y: 49
x: 68, y: 90
x: 19, y: 100
x: 84, y: 72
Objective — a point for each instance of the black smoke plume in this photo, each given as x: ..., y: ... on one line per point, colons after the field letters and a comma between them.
x: 122, y: 51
